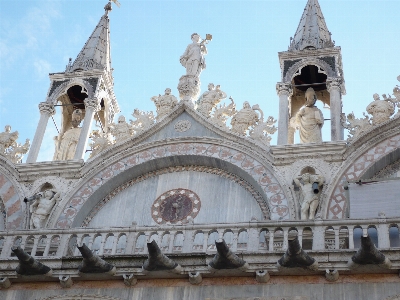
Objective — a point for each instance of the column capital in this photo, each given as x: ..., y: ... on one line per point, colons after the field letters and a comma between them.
x: 47, y: 108
x: 92, y: 104
x: 284, y: 88
x: 334, y: 83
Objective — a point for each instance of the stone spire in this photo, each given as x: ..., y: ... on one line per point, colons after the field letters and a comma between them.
x: 96, y: 52
x: 312, y: 31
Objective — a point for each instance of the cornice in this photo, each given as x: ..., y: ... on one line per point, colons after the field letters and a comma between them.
x: 76, y: 74
x: 308, y: 53
x: 65, y: 169
x: 329, y: 151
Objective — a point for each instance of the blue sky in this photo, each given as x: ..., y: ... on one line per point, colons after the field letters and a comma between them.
x: 147, y: 38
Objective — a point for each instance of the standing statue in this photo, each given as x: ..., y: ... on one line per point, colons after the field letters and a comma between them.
x: 121, y: 131
x: 164, y: 104
x: 311, y: 186
x: 7, y: 139
x: 193, y: 57
x: 66, y: 143
x: 244, y: 118
x: 42, y: 207
x: 309, y: 120
x: 210, y: 99
x: 193, y: 61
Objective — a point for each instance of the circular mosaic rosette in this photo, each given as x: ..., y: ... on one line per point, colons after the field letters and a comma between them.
x: 176, y: 206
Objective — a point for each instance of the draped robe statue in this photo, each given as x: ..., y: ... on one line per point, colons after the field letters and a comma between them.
x: 310, y: 120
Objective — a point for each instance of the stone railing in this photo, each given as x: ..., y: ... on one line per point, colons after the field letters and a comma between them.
x: 264, y: 237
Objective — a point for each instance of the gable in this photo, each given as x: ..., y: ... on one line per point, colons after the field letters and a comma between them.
x: 184, y: 125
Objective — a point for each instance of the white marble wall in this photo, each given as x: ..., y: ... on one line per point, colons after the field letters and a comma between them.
x: 222, y: 200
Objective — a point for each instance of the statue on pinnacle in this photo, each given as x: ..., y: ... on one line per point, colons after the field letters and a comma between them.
x: 194, y: 62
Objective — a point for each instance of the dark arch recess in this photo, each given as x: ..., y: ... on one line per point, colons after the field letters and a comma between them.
x: 157, y: 164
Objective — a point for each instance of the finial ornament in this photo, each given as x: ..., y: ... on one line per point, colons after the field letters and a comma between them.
x: 108, y: 6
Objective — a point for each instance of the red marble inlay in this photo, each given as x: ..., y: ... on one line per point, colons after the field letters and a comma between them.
x: 8, y: 194
x: 14, y: 208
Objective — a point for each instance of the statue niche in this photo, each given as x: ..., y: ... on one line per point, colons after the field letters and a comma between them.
x: 310, y: 186
x: 40, y: 209
x: 66, y: 143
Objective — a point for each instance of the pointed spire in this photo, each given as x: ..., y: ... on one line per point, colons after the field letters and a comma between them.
x: 312, y: 31
x: 96, y: 53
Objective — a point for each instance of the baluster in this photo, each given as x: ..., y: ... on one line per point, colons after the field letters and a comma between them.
x: 103, y: 241
x: 91, y: 240
x: 130, y: 242
x: 337, y: 242
x: 79, y: 241
x: 8, y: 243
x: 271, y: 241
x: 147, y: 235
x: 47, y: 248
x: 318, y: 237
x: 62, y: 248
x: 188, y: 239
x: 35, y: 244
x: 117, y: 236
x: 300, y: 236
x: 171, y: 241
x: 351, y: 238
x: 365, y: 231
x: 23, y: 241
x: 285, y: 239
x: 383, y: 235
x: 205, y: 241
x: 254, y: 239
x: 235, y: 239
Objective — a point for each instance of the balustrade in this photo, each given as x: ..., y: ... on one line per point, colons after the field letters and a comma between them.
x: 321, y: 235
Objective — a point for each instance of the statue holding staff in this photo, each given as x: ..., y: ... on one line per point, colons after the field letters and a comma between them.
x: 193, y: 57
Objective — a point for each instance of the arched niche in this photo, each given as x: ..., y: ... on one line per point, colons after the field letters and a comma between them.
x: 103, y: 180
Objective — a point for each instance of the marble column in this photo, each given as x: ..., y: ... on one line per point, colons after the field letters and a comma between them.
x: 46, y: 111
x: 284, y: 90
x: 334, y: 88
x: 91, y: 106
